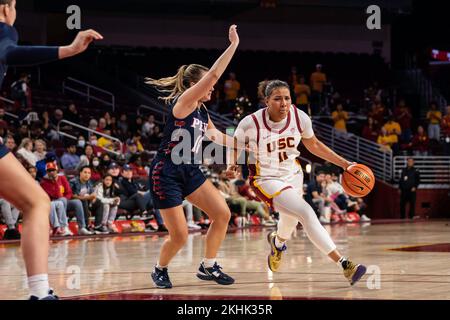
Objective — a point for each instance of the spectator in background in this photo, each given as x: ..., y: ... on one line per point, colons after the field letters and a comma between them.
x: 20, y: 90
x: 40, y: 149
x: 108, y: 120
x: 10, y: 216
x: 81, y: 144
x: 302, y: 92
x: 340, y: 118
x: 105, y: 161
x: 105, y: 142
x: 409, y: 182
x: 96, y: 173
x: 41, y: 164
x: 122, y: 124
x: 314, y: 196
x: 370, y: 132
x: 70, y: 160
x: 137, y: 166
x: 385, y: 140
x: 317, y: 81
x: 26, y: 151
x: 87, y: 156
x: 445, y: 127
x: 231, y: 89
x: 58, y: 188
x: 22, y: 133
x: 83, y: 190
x: 93, y: 141
x: 107, y: 193
x: 403, y: 116
x: 148, y: 126
x: 10, y: 143
x: 58, y: 115
x: 114, y: 171
x: 135, y: 129
x: 134, y: 197
x: 72, y: 114
x: 58, y: 214
x: 156, y: 137
x: 420, y: 143
x: 434, y: 117
x: 377, y: 113
x: 189, y: 213
x: 393, y: 129
x: 3, y: 128
x: 101, y: 125
x: 137, y: 140
x: 93, y: 124
x: 131, y: 150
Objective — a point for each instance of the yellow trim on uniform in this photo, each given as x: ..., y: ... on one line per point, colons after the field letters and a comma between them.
x: 258, y: 169
x: 262, y: 190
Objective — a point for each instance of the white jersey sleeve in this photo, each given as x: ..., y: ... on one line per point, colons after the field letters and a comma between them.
x: 306, y: 125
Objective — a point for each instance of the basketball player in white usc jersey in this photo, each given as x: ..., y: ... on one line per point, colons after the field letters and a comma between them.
x: 274, y: 134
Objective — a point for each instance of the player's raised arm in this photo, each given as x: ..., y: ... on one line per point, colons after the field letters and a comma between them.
x: 16, y: 55
x: 189, y: 99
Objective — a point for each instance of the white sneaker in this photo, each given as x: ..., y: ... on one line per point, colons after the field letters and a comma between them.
x: 66, y: 232
x: 193, y: 225
x: 365, y: 218
x: 269, y: 223
x: 84, y: 232
x: 323, y: 219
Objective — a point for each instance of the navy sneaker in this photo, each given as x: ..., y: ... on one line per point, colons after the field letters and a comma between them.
x: 215, y: 274
x: 161, y: 278
x: 51, y: 296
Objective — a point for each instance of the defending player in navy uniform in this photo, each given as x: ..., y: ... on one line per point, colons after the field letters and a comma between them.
x: 175, y: 173
x: 16, y: 185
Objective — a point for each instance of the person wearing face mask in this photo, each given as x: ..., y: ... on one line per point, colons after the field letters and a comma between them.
x: 81, y: 142
x: 96, y: 174
x: 93, y: 141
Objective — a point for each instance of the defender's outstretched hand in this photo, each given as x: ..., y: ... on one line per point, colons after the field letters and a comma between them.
x: 80, y: 43
x: 233, y: 35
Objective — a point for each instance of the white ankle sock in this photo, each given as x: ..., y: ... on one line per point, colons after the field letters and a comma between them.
x: 160, y: 267
x: 38, y: 285
x: 279, y: 244
x: 209, y: 263
x: 341, y: 260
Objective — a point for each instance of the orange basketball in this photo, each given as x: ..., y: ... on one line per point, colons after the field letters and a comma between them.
x: 358, y: 180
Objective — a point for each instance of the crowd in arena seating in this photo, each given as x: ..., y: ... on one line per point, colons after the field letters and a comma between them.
x: 95, y: 179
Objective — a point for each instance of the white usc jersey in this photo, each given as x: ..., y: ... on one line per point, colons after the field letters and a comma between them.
x: 274, y: 166
x: 276, y: 142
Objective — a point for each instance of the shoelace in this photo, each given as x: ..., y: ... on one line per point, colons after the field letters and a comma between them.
x: 350, y: 265
x: 163, y: 275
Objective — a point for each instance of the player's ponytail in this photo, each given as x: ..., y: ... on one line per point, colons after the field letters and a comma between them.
x: 173, y: 86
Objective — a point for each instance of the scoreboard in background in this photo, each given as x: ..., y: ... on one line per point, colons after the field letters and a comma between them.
x: 439, y: 57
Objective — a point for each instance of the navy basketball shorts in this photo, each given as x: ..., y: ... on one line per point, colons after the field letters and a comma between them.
x: 171, y: 183
x: 3, y: 150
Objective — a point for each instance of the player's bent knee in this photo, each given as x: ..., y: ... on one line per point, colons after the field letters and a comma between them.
x: 179, y: 238
x: 39, y: 202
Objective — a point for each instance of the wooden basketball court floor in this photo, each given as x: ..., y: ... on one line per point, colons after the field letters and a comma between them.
x: 413, y: 260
